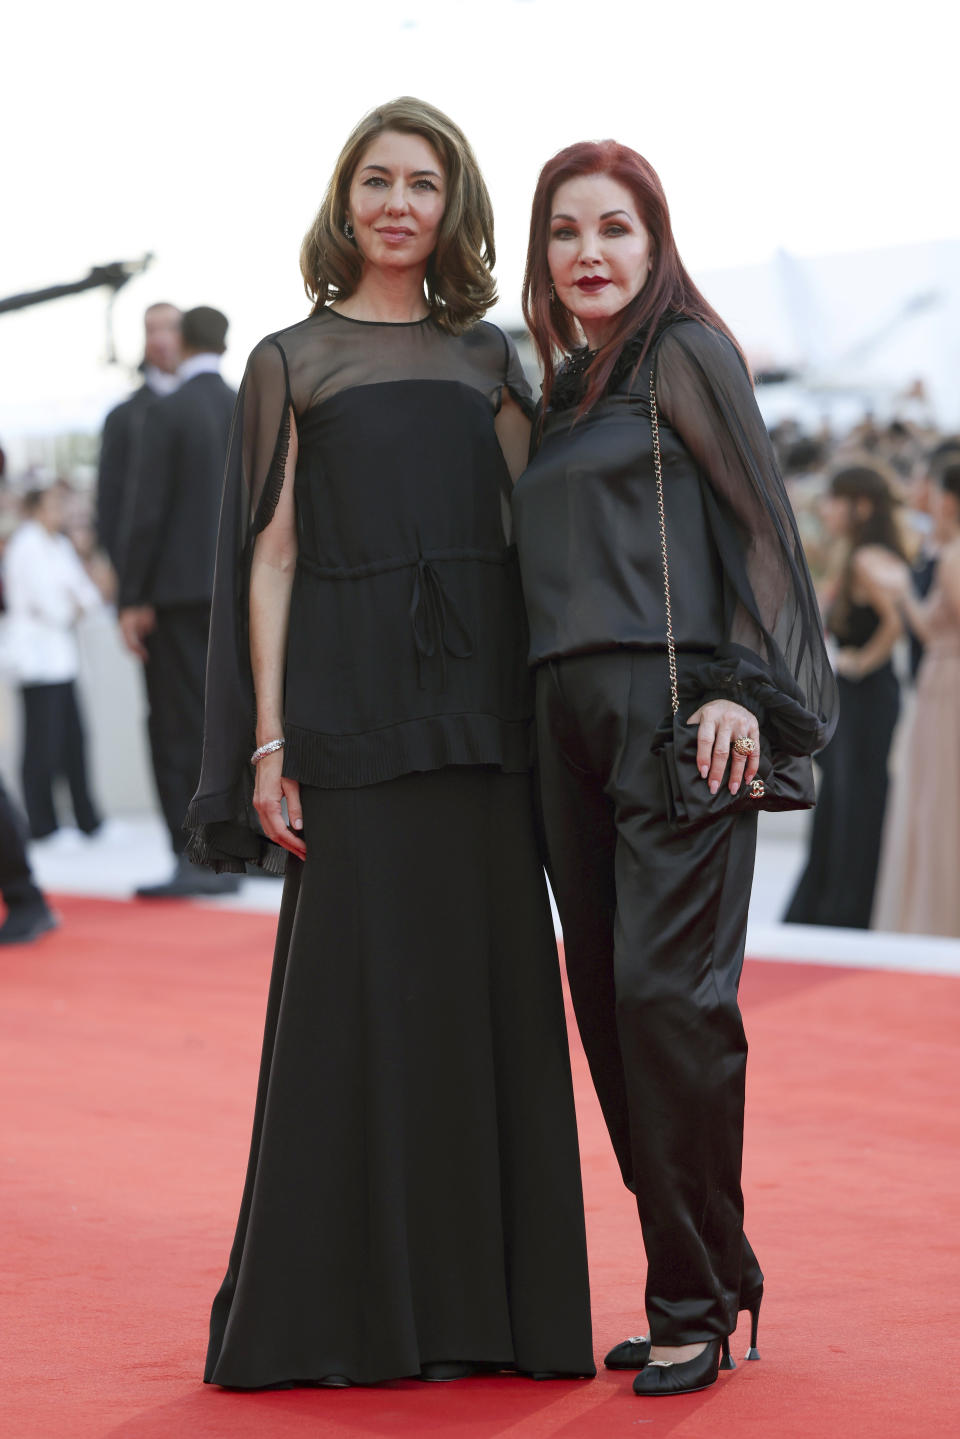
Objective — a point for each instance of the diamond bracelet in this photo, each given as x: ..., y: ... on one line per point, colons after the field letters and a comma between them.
x: 269, y: 748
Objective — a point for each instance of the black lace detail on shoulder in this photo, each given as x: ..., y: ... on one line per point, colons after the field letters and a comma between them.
x: 570, y: 384
x: 571, y: 380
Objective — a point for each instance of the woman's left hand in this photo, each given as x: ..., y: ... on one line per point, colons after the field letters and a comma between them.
x: 847, y: 663
x: 721, y: 722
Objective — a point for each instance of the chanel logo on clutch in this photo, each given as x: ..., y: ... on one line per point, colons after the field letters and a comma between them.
x: 757, y: 790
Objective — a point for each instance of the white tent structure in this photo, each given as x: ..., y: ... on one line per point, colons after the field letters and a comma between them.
x: 857, y: 330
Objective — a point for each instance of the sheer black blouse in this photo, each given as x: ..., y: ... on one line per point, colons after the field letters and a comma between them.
x: 407, y: 635
x: 585, y: 514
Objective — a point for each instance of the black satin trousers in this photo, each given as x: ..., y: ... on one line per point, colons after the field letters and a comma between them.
x: 654, y: 925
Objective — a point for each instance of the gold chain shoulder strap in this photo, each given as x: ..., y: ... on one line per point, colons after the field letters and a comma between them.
x: 662, y: 515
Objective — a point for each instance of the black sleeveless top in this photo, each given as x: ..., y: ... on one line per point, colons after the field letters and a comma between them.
x: 853, y: 624
x: 407, y: 636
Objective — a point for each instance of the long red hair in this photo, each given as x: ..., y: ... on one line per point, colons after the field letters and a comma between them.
x: 668, y: 287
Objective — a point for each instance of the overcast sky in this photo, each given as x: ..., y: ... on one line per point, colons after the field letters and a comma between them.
x: 205, y: 132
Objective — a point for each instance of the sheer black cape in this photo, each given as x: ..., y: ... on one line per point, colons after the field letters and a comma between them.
x: 225, y: 833
x: 292, y: 377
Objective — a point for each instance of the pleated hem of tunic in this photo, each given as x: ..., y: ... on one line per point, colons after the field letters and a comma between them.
x: 332, y: 761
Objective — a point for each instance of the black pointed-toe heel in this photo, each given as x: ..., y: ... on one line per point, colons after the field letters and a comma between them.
x: 752, y: 1306
x: 662, y: 1377
x: 631, y: 1354
x: 634, y: 1353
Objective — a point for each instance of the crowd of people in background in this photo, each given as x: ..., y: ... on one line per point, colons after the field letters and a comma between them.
x: 880, y: 513
x: 144, y: 542
x: 878, y: 508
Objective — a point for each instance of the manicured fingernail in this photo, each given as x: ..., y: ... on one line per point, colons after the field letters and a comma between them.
x: 298, y: 824
x: 704, y: 770
x: 714, y: 786
x: 735, y: 786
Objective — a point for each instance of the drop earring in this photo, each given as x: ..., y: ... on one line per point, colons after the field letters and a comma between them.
x: 348, y: 229
x: 553, y: 293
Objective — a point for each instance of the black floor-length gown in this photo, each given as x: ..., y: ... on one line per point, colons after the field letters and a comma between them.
x: 839, y: 879
x: 413, y: 1193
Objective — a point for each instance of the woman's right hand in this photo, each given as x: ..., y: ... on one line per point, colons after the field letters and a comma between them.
x: 270, y: 790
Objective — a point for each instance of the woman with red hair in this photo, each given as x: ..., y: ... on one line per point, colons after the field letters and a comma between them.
x: 660, y: 559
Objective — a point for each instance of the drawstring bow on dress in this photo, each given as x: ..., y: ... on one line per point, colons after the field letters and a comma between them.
x: 433, y: 615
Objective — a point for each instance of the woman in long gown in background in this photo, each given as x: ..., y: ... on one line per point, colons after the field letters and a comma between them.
x: 413, y: 1203
x: 917, y: 891
x: 838, y: 882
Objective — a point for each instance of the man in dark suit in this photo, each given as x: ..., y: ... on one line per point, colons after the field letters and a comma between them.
x: 122, y: 430
x: 166, y: 576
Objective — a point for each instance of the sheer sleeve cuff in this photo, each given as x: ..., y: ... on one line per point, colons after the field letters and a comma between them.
x: 734, y: 673
x: 228, y: 847
x: 515, y: 381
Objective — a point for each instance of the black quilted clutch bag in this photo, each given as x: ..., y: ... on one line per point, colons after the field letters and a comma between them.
x: 783, y: 781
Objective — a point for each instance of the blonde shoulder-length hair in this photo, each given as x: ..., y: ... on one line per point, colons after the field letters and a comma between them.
x: 460, y: 284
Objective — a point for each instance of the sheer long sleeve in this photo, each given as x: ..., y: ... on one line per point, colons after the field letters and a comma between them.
x: 513, y: 424
x: 225, y: 831
x: 515, y: 380
x: 775, y: 659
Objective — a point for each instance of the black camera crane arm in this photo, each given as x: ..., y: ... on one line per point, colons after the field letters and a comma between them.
x: 114, y: 276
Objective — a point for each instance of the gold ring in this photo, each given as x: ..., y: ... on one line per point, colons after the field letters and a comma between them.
x: 743, y: 744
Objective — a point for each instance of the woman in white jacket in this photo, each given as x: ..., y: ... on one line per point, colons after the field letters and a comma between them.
x: 46, y: 590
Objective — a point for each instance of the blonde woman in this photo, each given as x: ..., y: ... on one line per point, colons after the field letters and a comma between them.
x: 413, y: 1202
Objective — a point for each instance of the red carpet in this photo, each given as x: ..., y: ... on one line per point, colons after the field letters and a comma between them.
x: 129, y: 1051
